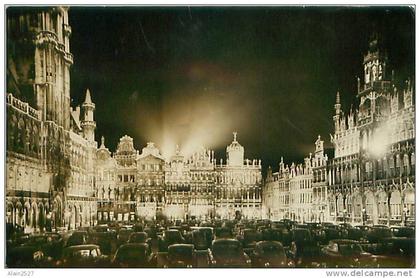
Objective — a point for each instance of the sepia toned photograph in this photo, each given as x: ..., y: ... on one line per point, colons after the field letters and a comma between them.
x: 209, y: 137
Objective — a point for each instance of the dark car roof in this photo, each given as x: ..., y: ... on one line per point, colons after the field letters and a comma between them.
x: 180, y: 246
x: 344, y: 241
x: 269, y: 242
x: 134, y: 246
x: 83, y: 246
x: 225, y: 240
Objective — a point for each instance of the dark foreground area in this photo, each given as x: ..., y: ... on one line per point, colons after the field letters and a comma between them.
x: 216, y: 243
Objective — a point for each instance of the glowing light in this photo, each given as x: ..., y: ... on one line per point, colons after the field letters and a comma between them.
x: 380, y: 141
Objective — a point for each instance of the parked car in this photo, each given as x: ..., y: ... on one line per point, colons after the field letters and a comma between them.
x: 330, y: 232
x: 138, y: 237
x: 228, y: 253
x: 303, y: 249
x: 364, y: 229
x: 355, y: 234
x: 123, y: 236
x: 378, y: 237
x: 249, y: 238
x: 346, y: 253
x: 316, y: 230
x: 77, y: 238
x: 181, y: 255
x: 134, y: 255
x: 26, y: 257
x: 223, y: 232
x: 168, y: 238
x: 201, y: 239
x: 397, y: 252
x: 51, y: 244
x: 409, y: 232
x: 107, y: 241
x: 86, y: 255
x: 270, y: 254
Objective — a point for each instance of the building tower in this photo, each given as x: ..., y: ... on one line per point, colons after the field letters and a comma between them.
x: 336, y: 117
x: 235, y: 153
x: 39, y: 60
x: 88, y: 124
x: 374, y: 63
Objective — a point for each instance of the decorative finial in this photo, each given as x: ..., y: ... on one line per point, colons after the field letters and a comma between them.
x: 102, y: 142
x: 319, y: 137
x: 234, y: 136
x: 177, y: 149
x: 337, y: 99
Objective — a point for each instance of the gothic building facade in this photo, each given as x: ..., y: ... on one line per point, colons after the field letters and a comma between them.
x: 372, y: 174
x: 371, y: 177
x: 50, y: 148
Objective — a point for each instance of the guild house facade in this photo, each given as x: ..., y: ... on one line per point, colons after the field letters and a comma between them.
x: 133, y: 185
x: 371, y: 177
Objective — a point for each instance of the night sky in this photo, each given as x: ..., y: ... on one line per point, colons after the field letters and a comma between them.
x: 191, y: 76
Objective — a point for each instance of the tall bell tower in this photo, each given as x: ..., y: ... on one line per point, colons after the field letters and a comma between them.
x: 374, y: 63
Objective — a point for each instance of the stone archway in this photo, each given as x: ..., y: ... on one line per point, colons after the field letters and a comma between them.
x: 382, y: 205
x: 371, y: 207
x: 395, y: 204
x: 357, y: 207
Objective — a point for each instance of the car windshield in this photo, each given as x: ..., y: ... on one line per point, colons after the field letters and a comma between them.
x: 138, y: 237
x: 131, y: 253
x: 199, y: 238
x: 226, y: 248
x: 350, y: 249
x: 172, y: 235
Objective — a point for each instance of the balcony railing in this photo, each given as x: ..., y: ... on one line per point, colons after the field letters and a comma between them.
x: 22, y: 106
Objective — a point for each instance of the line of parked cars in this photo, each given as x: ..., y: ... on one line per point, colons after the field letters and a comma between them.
x: 228, y: 243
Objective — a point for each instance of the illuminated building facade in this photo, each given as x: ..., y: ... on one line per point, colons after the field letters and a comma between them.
x: 320, y: 183
x: 238, y: 185
x: 371, y: 177
x: 146, y: 185
x: 298, y: 191
x: 50, y: 147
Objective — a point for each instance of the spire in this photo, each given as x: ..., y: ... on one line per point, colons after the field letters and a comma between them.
x: 337, y: 98
x: 234, y: 136
x: 337, y: 105
x: 102, y: 142
x: 88, y: 98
